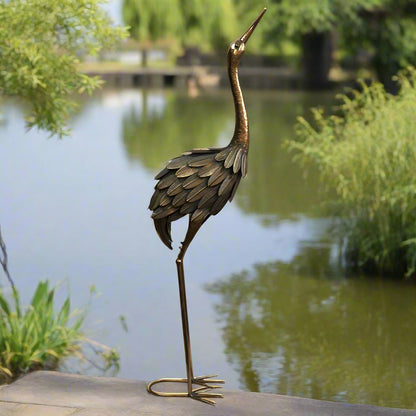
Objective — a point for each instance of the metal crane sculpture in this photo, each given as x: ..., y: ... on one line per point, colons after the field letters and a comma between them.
x: 199, y: 183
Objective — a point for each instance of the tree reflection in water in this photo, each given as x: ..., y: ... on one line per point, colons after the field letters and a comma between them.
x: 168, y: 123
x: 297, y: 329
x: 181, y: 123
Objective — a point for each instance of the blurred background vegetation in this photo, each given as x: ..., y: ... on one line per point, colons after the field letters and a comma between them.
x: 317, y: 35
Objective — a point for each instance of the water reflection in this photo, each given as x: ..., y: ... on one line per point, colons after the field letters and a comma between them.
x: 154, y: 137
x: 275, y: 187
x: 296, y: 328
x: 77, y: 208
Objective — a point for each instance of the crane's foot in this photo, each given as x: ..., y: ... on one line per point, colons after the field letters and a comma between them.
x: 202, y: 393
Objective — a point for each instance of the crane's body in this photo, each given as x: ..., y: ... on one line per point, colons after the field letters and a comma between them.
x: 199, y: 183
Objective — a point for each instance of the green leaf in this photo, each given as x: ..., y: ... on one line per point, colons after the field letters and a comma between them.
x: 4, y: 305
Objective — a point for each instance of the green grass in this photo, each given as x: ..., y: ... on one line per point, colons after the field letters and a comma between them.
x: 39, y: 336
x: 366, y: 155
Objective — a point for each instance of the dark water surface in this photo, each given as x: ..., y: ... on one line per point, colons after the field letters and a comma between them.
x: 270, y: 309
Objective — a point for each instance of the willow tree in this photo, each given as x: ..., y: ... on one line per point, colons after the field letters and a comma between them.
x: 193, y: 23
x: 40, y: 44
x: 151, y: 20
x: 208, y: 25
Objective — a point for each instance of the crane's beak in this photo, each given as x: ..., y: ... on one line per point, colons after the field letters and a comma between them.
x: 246, y: 35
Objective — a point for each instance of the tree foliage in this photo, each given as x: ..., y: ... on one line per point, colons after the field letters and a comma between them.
x: 151, y: 20
x: 206, y: 24
x: 384, y: 28
x: 388, y: 32
x: 297, y: 17
x: 40, y: 45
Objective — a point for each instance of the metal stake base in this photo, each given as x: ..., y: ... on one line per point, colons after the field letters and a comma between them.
x: 201, y: 393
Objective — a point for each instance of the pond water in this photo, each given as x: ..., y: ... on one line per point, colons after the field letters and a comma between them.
x: 270, y: 309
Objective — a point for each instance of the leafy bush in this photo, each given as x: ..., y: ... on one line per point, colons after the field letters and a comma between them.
x: 37, y: 337
x: 41, y: 42
x: 367, y: 154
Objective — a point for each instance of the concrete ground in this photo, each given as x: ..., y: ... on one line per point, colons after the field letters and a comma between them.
x: 46, y: 393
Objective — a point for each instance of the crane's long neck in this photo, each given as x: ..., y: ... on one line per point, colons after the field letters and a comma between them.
x: 241, y: 134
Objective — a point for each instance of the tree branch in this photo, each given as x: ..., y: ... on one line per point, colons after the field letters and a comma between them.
x: 4, y: 258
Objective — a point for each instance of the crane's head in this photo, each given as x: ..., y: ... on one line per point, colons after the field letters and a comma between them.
x: 237, y: 48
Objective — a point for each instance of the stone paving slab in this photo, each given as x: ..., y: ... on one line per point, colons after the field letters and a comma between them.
x: 46, y: 393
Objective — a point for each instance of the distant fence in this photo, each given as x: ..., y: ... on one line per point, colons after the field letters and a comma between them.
x: 193, y: 56
x: 203, y: 77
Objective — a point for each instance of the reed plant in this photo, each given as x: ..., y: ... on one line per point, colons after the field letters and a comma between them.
x: 366, y: 155
x: 40, y: 336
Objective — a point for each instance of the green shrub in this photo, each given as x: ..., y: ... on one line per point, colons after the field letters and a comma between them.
x: 366, y: 155
x: 38, y: 337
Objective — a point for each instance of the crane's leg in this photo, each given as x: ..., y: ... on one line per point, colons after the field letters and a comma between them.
x: 205, y: 382
x: 184, y: 308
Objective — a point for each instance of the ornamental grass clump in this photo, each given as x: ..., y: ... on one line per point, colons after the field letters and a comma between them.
x: 39, y: 336
x: 366, y: 156
x: 36, y: 337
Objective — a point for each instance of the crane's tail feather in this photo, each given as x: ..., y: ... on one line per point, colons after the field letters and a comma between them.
x: 162, y: 226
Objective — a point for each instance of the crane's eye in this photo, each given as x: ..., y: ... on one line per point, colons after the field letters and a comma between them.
x: 237, y: 45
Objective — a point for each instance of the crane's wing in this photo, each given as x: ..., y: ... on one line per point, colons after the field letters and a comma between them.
x: 198, y: 183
